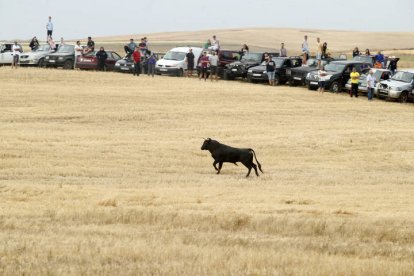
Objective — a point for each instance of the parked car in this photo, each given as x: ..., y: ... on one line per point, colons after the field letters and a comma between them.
x: 371, y: 59
x: 298, y: 74
x: 282, y: 71
x: 63, y: 57
x: 173, y: 63
x: 399, y: 86
x: 36, y: 57
x: 225, y: 57
x: 379, y: 74
x: 339, y: 72
x: 238, y: 69
x: 90, y: 61
x: 6, y: 56
x: 127, y: 64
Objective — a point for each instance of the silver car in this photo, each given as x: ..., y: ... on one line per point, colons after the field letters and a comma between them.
x: 399, y: 87
x: 36, y: 57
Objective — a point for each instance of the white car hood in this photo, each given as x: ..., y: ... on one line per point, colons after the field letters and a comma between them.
x: 396, y: 84
x: 169, y: 62
x: 31, y: 55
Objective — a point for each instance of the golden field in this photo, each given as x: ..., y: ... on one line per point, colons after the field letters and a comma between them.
x: 102, y: 173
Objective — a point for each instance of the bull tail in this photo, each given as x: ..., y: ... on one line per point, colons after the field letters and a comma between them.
x: 258, y: 164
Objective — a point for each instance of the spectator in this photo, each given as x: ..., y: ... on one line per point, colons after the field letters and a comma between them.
x: 244, y: 50
x: 355, y: 52
x: 207, y: 44
x: 51, y: 43
x: 34, y: 44
x: 136, y: 55
x: 283, y: 51
x: 90, y: 46
x: 143, y: 47
x: 270, y: 70
x: 371, y: 84
x: 325, y: 53
x: 393, y: 65
x: 354, y: 83
x: 146, y: 42
x: 319, y: 51
x: 78, y: 52
x: 16, y: 50
x: 130, y: 47
x: 367, y: 52
x: 266, y: 56
x: 62, y: 41
x: 189, y: 58
x: 215, y: 45
x: 380, y: 58
x: 49, y: 27
x: 322, y: 78
x: 204, y: 62
x: 214, y: 62
x: 305, y: 50
x: 151, y: 61
x: 102, y: 56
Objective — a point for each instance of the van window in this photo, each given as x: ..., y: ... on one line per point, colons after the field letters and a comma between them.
x: 170, y: 55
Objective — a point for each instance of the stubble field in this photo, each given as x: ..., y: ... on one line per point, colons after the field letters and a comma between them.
x: 102, y: 173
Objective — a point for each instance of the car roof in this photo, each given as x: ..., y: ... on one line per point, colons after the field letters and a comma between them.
x: 409, y: 70
x: 185, y: 49
x: 346, y: 62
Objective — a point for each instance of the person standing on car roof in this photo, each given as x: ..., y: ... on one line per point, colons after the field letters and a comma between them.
x: 283, y: 51
x: 367, y: 52
x: 136, y: 56
x: 325, y: 53
x: 204, y: 62
x: 305, y: 50
x: 130, y: 47
x: 102, y: 57
x: 189, y: 59
x: 214, y: 62
x: 380, y: 59
x: 270, y: 70
x: 319, y: 51
x: 354, y: 83
x: 393, y: 65
x: 49, y: 27
x: 244, y: 50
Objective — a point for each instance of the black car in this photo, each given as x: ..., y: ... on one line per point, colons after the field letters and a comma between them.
x: 282, y: 72
x: 127, y: 65
x: 298, y: 74
x: 338, y: 73
x: 238, y: 69
x: 63, y: 57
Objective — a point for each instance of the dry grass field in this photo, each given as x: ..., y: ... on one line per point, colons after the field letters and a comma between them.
x: 102, y: 173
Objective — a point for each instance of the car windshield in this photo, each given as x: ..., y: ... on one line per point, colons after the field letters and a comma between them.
x: 66, y: 49
x: 311, y: 62
x: 257, y: 57
x: 43, y: 47
x: 335, y: 67
x: 363, y: 58
x: 170, y: 55
x: 403, y: 76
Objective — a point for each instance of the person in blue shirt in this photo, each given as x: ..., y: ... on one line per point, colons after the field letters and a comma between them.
x: 380, y: 58
x: 152, y: 59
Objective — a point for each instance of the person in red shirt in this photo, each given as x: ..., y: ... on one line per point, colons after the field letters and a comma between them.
x: 204, y: 62
x: 136, y: 55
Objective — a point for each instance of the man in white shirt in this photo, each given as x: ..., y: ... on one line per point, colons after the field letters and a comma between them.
x: 215, y: 44
x: 15, y: 52
x: 78, y: 52
x: 49, y: 27
x: 214, y: 62
x: 371, y: 84
x: 305, y: 50
x: 283, y: 51
x: 322, y: 78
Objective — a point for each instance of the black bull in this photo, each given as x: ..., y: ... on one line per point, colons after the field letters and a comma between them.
x: 223, y: 153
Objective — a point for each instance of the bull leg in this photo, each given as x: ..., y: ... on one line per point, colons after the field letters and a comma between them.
x: 248, y: 166
x: 214, y: 165
x: 220, y: 166
x: 255, y: 169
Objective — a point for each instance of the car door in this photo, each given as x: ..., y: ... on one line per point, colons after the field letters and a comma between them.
x: 286, y: 67
x: 346, y: 74
x: 109, y: 62
x: 115, y: 58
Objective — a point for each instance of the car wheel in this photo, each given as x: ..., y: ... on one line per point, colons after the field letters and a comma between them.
x: 249, y: 79
x: 68, y: 65
x: 403, y: 97
x: 227, y: 76
x: 41, y: 62
x: 277, y: 80
x: 335, y: 87
x: 180, y: 73
x: 292, y: 82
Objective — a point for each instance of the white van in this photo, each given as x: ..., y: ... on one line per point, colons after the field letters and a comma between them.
x: 173, y: 63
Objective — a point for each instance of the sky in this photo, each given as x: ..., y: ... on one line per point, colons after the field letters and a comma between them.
x: 23, y: 19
